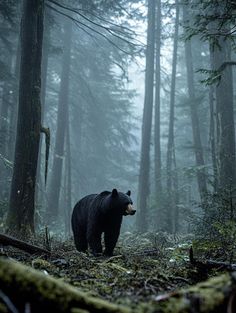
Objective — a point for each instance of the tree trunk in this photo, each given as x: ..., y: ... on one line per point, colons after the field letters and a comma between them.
x: 20, y: 217
x: 157, y: 135
x: 4, y: 133
x: 225, y: 113
x: 56, y: 176
x: 68, y: 201
x: 201, y: 175
x: 147, y: 122
x: 170, y: 146
x: 212, y: 135
x: 45, y: 56
x: 14, y: 107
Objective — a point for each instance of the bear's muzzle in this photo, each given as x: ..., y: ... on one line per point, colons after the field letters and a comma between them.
x: 129, y: 210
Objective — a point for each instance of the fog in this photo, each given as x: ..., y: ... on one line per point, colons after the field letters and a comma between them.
x: 134, y: 95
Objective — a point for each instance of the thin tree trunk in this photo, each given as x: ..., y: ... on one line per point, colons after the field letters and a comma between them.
x: 147, y: 122
x: 201, y: 175
x: 213, y: 137
x: 14, y: 107
x: 68, y: 181
x: 170, y: 145
x: 20, y: 217
x: 45, y: 55
x: 157, y: 135
x: 4, y: 132
x: 56, y: 176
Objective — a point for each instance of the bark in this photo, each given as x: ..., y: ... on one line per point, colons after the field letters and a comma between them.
x: 20, y: 217
x: 58, y: 157
x: 213, y: 139
x: 157, y: 134
x: 14, y: 107
x: 32, y: 249
x: 225, y: 113
x: 68, y: 185
x: 172, y: 206
x: 45, y: 56
x: 147, y: 122
x: 22, y: 285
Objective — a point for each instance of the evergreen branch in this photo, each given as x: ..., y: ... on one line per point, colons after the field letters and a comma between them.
x: 215, y: 75
x: 77, y: 11
x: 108, y: 29
x: 90, y: 28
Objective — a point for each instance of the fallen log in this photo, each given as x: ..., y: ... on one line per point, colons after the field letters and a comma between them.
x: 210, y: 264
x: 22, y: 245
x: 216, y: 295
x: 43, y: 293
x: 23, y: 287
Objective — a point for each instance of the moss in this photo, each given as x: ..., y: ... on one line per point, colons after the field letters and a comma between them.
x: 3, y: 308
x: 45, y: 291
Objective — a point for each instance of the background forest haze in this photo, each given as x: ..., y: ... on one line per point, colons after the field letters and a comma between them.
x: 133, y: 95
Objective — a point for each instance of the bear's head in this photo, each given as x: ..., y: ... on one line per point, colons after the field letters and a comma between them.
x: 123, y: 202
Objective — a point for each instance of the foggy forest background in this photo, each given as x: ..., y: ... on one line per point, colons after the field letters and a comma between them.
x: 135, y: 95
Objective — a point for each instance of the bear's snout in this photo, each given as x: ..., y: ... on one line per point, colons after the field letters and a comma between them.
x: 129, y: 210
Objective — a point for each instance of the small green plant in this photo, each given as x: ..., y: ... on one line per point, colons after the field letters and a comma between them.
x: 216, y: 228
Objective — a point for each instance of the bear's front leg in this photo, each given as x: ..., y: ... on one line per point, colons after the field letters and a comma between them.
x: 110, y: 237
x: 94, y: 241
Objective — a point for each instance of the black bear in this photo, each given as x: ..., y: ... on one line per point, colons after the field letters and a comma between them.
x: 100, y: 213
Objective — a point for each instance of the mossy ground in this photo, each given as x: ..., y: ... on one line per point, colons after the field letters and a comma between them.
x: 143, y: 267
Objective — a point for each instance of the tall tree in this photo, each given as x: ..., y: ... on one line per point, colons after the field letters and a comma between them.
x: 197, y: 143
x: 225, y: 114
x: 20, y: 217
x: 157, y: 135
x: 147, y: 121
x: 170, y: 162
x: 56, y: 174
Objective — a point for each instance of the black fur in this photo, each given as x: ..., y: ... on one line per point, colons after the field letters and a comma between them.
x: 96, y: 214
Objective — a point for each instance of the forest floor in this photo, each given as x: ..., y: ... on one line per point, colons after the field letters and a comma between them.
x: 143, y: 267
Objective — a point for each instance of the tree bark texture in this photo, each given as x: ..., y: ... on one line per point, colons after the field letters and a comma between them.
x: 147, y: 122
x: 171, y: 145
x: 58, y: 157
x: 225, y: 115
x: 20, y: 217
x: 15, y: 100
x: 45, y: 57
x: 197, y: 143
x: 212, y: 135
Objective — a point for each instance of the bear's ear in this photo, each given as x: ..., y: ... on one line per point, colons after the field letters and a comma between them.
x: 114, y: 193
x: 128, y: 193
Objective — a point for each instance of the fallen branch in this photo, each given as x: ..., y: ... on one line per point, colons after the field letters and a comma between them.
x: 10, y: 241
x: 210, y: 264
x: 22, y: 284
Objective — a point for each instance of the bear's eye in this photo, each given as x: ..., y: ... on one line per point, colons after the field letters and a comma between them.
x: 127, y: 203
